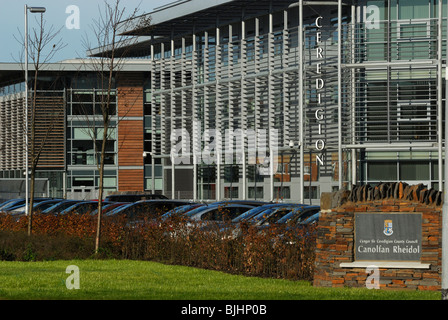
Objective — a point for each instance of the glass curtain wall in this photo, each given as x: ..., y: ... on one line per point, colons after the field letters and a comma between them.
x: 84, y: 139
x: 399, y: 102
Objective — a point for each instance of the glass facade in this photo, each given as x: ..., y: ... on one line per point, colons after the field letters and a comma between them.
x: 400, y: 105
x: 245, y: 75
x: 84, y: 136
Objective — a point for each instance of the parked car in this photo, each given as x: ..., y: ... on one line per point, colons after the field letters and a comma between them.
x: 297, y: 223
x: 262, y: 219
x: 310, y: 220
x: 109, y: 207
x: 253, y: 203
x: 181, y: 210
x: 209, y: 218
x: 60, y: 206
x: 37, y: 207
x: 296, y: 217
x: 218, y: 212
x: 272, y: 215
x: 138, y: 211
x: 17, y: 203
x: 134, y: 197
x: 264, y: 208
x: 82, y: 207
x: 7, y: 202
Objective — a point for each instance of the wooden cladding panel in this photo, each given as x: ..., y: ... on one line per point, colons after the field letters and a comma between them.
x: 130, y: 132
x: 130, y: 143
x: 130, y: 180
x: 130, y: 95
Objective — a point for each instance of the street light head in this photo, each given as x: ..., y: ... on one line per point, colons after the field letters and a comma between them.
x: 37, y: 9
x: 291, y: 144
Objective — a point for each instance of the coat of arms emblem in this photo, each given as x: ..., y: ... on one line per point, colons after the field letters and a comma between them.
x: 388, y: 227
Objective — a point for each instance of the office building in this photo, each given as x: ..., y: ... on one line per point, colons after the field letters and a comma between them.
x: 337, y: 92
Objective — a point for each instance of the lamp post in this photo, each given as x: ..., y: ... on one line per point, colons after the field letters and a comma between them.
x: 445, y: 191
x: 445, y: 204
x: 32, y: 10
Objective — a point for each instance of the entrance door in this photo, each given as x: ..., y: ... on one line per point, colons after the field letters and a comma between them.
x: 83, y: 193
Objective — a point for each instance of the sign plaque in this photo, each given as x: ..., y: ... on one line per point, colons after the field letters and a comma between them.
x: 388, y: 236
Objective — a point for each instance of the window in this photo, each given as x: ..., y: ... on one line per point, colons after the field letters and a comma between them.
x: 258, y: 194
x: 253, y: 174
x: 81, y: 134
x: 414, y: 170
x: 231, y: 173
x: 382, y: 171
x: 230, y: 192
x: 414, y: 111
x: 412, y: 9
x: 414, y: 40
x: 416, y: 121
x: 82, y: 182
x: 158, y: 184
x: 310, y: 192
x: 283, y: 192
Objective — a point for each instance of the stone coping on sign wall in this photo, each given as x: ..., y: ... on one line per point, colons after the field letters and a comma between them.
x: 335, y: 265
x: 386, y: 264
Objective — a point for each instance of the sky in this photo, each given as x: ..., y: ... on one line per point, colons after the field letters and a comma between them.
x: 61, y: 14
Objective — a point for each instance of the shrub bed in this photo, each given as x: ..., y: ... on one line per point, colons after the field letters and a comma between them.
x: 277, y: 251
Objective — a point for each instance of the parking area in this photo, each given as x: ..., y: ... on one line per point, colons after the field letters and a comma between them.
x: 223, y: 214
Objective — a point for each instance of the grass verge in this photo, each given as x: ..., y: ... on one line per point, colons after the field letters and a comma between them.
x: 143, y: 280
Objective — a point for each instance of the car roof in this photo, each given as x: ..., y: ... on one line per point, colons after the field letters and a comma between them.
x: 208, y: 208
x: 296, y: 212
x: 154, y: 201
x: 60, y: 203
x: 77, y: 205
x: 259, y: 209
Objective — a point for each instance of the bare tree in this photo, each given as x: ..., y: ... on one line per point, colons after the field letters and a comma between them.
x: 112, y: 46
x: 43, y: 45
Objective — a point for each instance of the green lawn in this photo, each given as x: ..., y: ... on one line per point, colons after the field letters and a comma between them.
x: 138, y: 280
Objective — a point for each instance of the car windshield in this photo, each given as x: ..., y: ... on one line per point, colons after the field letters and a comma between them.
x: 294, y: 213
x: 44, y: 205
x: 72, y: 207
x: 60, y: 206
x: 197, y: 210
x: 225, y: 213
x: 119, y: 209
x: 262, y: 215
x: 275, y: 215
x: 6, y: 203
x: 304, y: 215
x: 144, y: 209
x: 248, y: 214
x: 181, y: 209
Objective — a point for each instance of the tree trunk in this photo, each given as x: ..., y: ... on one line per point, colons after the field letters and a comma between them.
x: 31, y: 201
x: 100, y: 191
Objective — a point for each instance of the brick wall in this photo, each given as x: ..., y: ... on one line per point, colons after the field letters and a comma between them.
x: 335, y: 241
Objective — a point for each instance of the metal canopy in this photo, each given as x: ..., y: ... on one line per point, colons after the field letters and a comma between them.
x: 13, y: 72
x: 185, y: 17
x: 181, y: 16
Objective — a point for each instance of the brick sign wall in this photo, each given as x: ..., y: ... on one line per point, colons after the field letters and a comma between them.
x: 337, y: 263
